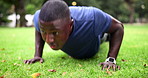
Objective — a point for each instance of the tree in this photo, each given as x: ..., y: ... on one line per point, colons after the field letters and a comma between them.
x: 19, y: 8
x: 108, y: 6
x: 124, y: 10
x: 4, y: 12
x: 33, y: 5
x: 141, y: 9
x: 23, y: 7
x: 130, y: 4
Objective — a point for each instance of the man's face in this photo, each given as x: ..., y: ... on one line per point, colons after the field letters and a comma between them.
x: 56, y: 33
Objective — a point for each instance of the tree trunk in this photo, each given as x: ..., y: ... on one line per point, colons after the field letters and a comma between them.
x: 130, y: 4
x: 22, y: 13
x: 20, y: 9
x: 132, y: 12
x: 16, y: 21
x: 22, y: 20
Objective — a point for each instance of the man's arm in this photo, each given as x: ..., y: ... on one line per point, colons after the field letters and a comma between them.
x: 39, y: 45
x: 116, y: 32
x: 116, y: 35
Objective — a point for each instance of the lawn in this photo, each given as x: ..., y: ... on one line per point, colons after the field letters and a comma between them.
x: 17, y: 44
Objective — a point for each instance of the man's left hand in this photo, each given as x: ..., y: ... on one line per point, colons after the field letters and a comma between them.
x: 109, y: 65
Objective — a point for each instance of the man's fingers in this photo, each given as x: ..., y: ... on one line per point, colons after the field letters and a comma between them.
x: 104, y: 67
x: 28, y: 62
x: 101, y: 64
x: 33, y: 60
x: 41, y: 60
x: 109, y: 66
x: 118, y: 67
x: 25, y: 61
x: 114, y: 67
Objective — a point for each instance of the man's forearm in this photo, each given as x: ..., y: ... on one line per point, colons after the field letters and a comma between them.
x: 115, y: 41
x: 39, y: 44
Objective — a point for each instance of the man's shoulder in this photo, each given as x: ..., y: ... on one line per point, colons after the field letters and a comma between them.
x: 36, y: 19
x: 82, y: 12
x: 37, y: 13
x: 82, y: 7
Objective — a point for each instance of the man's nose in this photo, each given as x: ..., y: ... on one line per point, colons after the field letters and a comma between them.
x: 49, y: 38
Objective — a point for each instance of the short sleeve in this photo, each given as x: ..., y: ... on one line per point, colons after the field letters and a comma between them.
x: 36, y: 20
x: 102, y: 21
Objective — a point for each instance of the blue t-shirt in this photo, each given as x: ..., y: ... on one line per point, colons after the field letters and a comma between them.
x: 89, y: 24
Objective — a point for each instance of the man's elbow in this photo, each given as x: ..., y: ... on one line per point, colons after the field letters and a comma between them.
x: 120, y: 29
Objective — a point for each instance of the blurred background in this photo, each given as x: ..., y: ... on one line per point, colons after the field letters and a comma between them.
x: 19, y: 13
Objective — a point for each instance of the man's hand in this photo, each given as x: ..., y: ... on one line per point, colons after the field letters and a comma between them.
x: 39, y: 45
x: 109, y: 65
x: 35, y: 59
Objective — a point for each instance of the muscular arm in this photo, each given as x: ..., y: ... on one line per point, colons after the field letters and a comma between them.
x: 116, y: 35
x: 116, y: 31
x: 39, y: 45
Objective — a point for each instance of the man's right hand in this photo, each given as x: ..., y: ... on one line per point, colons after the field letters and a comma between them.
x: 35, y: 59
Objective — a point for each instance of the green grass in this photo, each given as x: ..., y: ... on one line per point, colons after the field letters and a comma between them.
x: 17, y: 44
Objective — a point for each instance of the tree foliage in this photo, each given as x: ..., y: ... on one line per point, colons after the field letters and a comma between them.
x: 33, y: 5
x: 124, y: 10
x: 19, y: 8
x: 3, y: 12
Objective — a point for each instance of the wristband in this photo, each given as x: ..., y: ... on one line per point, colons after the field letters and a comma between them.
x: 111, y: 59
